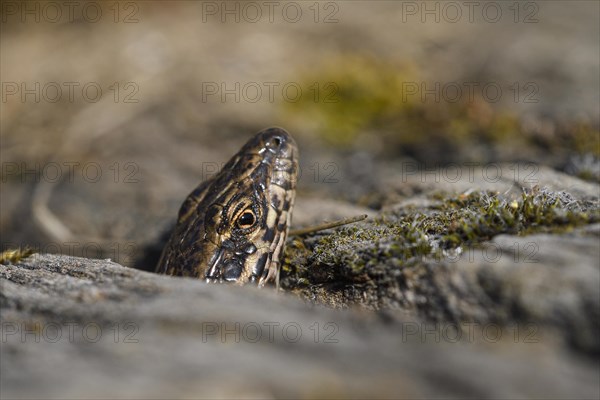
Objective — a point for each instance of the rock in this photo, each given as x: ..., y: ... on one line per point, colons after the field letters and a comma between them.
x: 485, y: 260
x: 310, y: 211
x: 403, y: 182
x: 81, y: 328
x: 539, y: 279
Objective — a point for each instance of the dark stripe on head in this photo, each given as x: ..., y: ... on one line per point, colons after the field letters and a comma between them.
x: 269, y: 234
x: 260, y: 266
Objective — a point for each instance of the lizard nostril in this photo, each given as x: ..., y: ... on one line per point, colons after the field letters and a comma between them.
x: 275, y: 142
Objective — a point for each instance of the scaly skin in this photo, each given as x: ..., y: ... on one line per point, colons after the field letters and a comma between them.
x: 233, y: 227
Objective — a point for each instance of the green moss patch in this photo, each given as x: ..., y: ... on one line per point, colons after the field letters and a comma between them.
x: 13, y: 256
x: 356, y: 99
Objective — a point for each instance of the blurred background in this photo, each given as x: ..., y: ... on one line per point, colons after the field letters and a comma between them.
x: 113, y: 112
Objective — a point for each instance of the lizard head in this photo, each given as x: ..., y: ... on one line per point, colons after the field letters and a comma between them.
x: 233, y: 227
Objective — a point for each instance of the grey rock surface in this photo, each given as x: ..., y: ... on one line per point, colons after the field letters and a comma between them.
x: 404, y: 184
x: 544, y: 279
x: 81, y: 328
x: 541, y: 280
x: 85, y: 328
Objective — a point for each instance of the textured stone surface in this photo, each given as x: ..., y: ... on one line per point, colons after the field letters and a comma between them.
x: 170, y: 343
x: 154, y: 151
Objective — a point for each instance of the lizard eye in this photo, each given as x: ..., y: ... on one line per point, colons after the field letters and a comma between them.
x: 246, y: 220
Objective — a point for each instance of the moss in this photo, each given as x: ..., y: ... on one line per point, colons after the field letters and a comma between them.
x: 356, y: 99
x: 13, y: 256
x: 356, y: 96
x: 349, y: 95
x: 584, y: 138
x: 480, y: 216
x: 383, y: 249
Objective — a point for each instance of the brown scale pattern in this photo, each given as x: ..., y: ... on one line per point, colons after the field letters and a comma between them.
x: 233, y: 227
